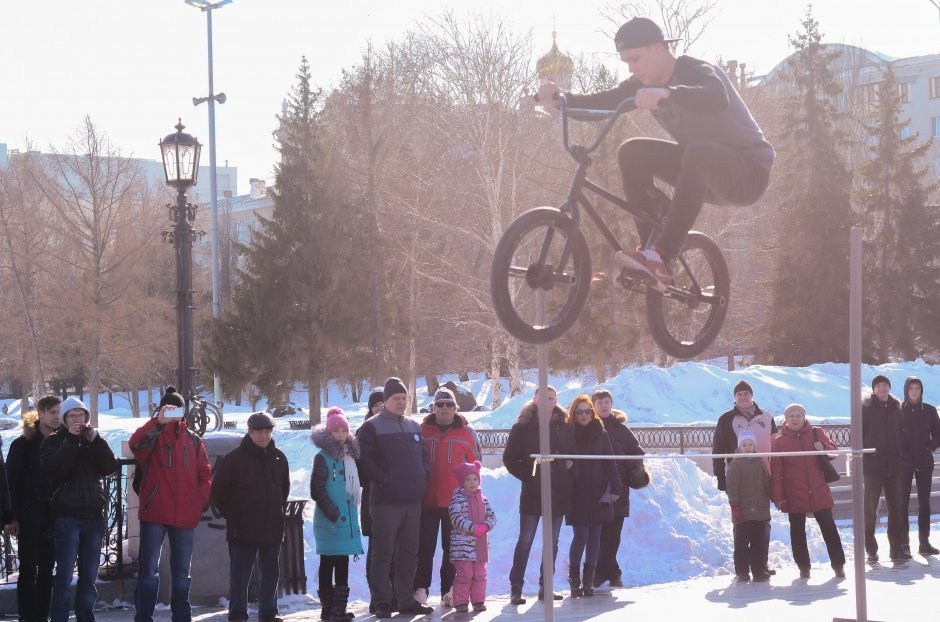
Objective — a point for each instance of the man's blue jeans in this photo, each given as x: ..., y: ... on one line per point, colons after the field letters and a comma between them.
x: 528, y: 523
x: 242, y: 559
x: 76, y: 538
x: 148, y: 574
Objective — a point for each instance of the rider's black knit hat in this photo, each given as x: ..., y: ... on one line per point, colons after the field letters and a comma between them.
x: 639, y: 32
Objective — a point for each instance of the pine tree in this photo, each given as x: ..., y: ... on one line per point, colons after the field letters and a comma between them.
x: 901, y: 276
x: 809, y: 308
x: 292, y: 306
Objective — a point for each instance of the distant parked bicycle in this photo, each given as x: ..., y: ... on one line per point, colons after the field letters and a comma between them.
x: 544, y: 251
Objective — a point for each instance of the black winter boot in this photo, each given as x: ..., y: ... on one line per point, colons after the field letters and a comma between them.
x: 326, y: 603
x: 574, y: 580
x: 588, y: 580
x: 340, y: 600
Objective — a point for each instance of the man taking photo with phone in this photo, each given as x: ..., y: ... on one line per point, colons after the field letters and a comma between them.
x: 173, y: 491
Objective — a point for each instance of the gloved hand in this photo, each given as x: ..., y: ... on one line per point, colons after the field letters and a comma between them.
x: 480, y: 530
x: 781, y: 505
x: 736, y: 514
x: 722, y: 483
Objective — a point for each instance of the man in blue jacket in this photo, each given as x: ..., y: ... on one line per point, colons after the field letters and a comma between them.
x: 394, y: 461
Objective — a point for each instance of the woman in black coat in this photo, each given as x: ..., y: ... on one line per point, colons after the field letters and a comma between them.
x: 597, y: 487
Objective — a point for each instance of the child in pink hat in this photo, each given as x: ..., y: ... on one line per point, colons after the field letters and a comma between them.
x: 472, y: 518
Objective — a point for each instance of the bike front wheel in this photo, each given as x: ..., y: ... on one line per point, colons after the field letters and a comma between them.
x: 541, y: 253
x: 686, y: 318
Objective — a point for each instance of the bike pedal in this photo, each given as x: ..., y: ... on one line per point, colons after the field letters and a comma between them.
x: 632, y: 280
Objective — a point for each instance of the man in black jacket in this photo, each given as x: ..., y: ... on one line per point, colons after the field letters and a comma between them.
x: 719, y: 154
x: 250, y: 489
x: 395, y: 463
x: 631, y: 473
x: 74, y: 458
x: 881, y: 430
x: 32, y: 522
x: 522, y: 443
x: 920, y: 437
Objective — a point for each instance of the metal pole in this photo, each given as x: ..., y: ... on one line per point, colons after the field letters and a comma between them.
x: 855, y: 392
x: 183, y: 241
x: 214, y: 210
x: 545, y: 470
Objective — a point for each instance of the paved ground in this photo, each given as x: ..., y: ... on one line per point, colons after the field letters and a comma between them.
x: 895, y: 594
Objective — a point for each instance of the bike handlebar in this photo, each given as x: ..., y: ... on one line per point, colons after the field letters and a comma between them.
x: 589, y: 114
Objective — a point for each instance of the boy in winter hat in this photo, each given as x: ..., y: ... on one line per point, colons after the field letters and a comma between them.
x: 749, y: 497
x: 335, y: 488
x: 472, y: 517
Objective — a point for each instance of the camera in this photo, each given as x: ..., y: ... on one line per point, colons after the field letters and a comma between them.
x: 173, y: 413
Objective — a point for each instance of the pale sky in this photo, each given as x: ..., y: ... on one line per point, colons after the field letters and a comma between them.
x: 135, y: 65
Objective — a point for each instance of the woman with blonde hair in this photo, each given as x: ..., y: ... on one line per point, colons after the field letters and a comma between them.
x: 597, y: 486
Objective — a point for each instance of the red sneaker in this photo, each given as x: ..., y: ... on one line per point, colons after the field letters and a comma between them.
x: 651, y: 263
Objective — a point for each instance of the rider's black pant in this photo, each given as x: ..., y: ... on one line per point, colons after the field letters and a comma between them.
x: 699, y: 171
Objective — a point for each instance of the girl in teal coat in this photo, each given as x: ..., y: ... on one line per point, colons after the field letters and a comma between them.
x: 335, y: 488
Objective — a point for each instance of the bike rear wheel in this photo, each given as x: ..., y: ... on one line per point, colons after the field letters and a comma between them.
x: 686, y: 318
x: 532, y: 257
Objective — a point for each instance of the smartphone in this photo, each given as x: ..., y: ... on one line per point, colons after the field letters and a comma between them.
x: 173, y: 413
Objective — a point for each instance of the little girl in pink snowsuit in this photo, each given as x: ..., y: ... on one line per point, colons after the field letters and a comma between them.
x: 472, y: 517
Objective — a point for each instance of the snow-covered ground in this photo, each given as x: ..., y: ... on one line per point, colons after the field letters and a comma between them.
x: 680, y: 526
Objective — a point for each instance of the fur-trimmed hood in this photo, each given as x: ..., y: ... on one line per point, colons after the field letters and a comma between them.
x: 325, y: 441
x: 30, y: 424
x: 618, y: 415
x: 531, y: 409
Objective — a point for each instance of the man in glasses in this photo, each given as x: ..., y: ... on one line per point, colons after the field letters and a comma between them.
x: 448, y: 441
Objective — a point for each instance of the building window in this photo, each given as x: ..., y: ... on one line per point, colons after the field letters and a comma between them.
x: 904, y: 92
x: 935, y: 87
x: 906, y: 131
x: 935, y: 124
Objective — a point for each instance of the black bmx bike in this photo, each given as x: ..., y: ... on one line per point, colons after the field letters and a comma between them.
x: 541, y: 274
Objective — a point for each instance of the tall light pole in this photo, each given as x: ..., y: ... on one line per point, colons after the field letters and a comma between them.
x: 207, y: 7
x: 180, y: 153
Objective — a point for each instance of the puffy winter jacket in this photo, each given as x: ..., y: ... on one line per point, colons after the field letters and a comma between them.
x: 393, y: 459
x: 463, y: 544
x: 250, y: 490
x: 75, y: 467
x: 799, y: 480
x: 729, y: 425
x: 593, y: 477
x: 29, y: 490
x: 749, y: 488
x: 335, y: 517
x: 445, y: 449
x: 881, y: 430
x: 522, y: 443
x: 177, y: 478
x: 624, y: 443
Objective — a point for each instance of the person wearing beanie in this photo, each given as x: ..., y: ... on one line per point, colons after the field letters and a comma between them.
x: 744, y: 415
x: 523, y: 441
x: 335, y: 489
x: 376, y: 399
x: 749, y: 498
x: 393, y: 459
x: 920, y: 437
x: 471, y: 518
x: 174, y: 491
x: 375, y: 403
x: 449, y: 442
x: 73, y: 459
x: 799, y: 487
x: 881, y: 431
x: 31, y: 519
x: 718, y: 151
x: 249, y: 490
x: 632, y: 473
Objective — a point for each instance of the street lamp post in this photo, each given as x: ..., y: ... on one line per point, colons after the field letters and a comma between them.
x: 180, y: 153
x: 207, y: 7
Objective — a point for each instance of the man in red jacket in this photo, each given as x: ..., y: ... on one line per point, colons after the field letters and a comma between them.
x: 173, y: 492
x: 449, y: 441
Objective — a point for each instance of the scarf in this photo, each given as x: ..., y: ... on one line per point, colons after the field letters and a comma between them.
x: 353, y: 488
x: 478, y: 516
x: 748, y: 412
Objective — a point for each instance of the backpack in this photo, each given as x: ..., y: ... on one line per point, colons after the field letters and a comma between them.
x: 140, y: 470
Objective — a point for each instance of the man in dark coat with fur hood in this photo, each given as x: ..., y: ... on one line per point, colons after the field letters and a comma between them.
x: 632, y: 474
x: 523, y: 442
